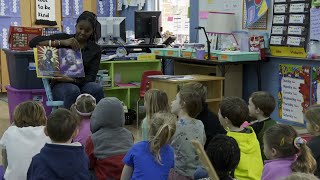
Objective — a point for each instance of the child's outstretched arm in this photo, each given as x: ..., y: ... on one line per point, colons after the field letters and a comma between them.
x: 126, y: 172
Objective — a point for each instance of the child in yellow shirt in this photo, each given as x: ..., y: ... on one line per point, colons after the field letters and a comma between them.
x: 232, y: 113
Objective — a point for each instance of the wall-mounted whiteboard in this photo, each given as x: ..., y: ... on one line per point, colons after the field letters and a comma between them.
x: 234, y: 6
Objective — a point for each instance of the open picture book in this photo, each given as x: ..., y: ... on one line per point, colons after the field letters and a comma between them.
x: 51, y: 61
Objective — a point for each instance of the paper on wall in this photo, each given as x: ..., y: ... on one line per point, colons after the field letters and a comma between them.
x: 45, y: 10
x: 315, y: 23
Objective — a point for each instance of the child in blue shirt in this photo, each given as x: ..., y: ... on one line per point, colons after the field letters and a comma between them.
x: 152, y: 159
x: 60, y: 159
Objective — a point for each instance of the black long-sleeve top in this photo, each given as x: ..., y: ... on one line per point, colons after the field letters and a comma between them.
x: 91, y: 55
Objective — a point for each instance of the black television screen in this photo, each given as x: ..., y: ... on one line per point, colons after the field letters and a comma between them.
x: 147, y: 24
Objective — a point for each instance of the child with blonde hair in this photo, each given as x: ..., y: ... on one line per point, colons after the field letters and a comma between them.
x: 154, y: 101
x: 312, y: 117
x: 232, y: 113
x: 24, y: 139
x: 301, y: 176
x: 186, y: 106
x: 287, y: 153
x: 83, y: 107
x: 152, y: 159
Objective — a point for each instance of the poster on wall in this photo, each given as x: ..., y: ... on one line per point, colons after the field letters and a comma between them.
x: 45, y: 12
x: 315, y: 84
x: 255, y: 10
x: 294, y: 92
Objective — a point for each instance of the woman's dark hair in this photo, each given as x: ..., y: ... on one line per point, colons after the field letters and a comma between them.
x: 92, y: 19
x: 224, y: 154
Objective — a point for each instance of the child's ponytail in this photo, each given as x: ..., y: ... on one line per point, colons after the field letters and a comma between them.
x: 305, y: 161
x: 161, y: 138
x: 161, y: 131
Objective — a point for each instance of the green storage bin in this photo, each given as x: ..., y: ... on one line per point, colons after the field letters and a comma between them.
x: 238, y: 56
x: 215, y: 52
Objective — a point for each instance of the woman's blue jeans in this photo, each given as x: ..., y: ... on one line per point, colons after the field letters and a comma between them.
x: 69, y: 92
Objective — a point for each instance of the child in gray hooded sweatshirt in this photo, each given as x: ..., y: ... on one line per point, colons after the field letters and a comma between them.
x: 109, y: 141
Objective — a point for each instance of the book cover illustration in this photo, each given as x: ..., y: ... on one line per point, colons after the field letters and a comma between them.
x: 71, y: 63
x: 51, y: 61
x: 47, y: 63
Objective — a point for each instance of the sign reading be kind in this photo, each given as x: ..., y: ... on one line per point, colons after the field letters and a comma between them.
x: 45, y: 10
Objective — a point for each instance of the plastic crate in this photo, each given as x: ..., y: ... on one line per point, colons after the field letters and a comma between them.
x: 22, y: 70
x: 158, y: 51
x: 238, y: 56
x: 17, y: 96
x: 174, y: 52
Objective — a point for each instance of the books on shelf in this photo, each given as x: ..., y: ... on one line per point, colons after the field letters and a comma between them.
x: 171, y: 77
x: 51, y: 61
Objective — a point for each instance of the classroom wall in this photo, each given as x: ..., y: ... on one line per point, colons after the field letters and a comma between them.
x: 129, y: 13
x: 194, y: 20
x: 269, y: 70
x: 197, y: 6
x: 270, y: 78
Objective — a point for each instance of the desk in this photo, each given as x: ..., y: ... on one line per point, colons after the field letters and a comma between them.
x: 223, y: 66
x: 214, y: 88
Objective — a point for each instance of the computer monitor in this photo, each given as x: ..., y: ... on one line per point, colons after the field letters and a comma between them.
x: 147, y: 25
x: 113, y: 30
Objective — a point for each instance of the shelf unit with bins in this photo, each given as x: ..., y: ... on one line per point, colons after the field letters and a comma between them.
x: 127, y: 72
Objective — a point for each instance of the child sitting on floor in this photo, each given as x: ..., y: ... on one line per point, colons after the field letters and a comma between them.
x: 261, y: 105
x: 154, y: 101
x: 224, y: 153
x: 109, y: 141
x: 60, y: 159
x: 312, y: 117
x: 24, y: 139
x: 187, y: 106
x: 152, y: 159
x: 287, y: 153
x: 232, y: 113
x: 209, y: 119
x: 83, y: 107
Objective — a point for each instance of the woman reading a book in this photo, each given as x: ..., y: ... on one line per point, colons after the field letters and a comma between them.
x: 66, y: 88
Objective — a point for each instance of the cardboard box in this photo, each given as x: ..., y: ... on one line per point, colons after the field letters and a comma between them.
x: 19, y: 37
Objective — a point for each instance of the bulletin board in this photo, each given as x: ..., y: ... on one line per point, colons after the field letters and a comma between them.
x: 233, y: 6
x: 294, y: 92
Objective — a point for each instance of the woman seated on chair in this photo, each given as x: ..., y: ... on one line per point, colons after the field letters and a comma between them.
x: 68, y: 89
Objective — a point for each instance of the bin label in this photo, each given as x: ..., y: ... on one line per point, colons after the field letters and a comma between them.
x: 170, y: 53
x: 38, y: 98
x: 224, y: 57
x: 32, y: 66
x: 187, y: 54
